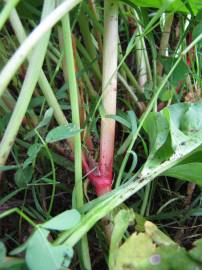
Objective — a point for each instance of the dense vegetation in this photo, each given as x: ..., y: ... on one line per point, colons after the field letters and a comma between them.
x: 101, y: 134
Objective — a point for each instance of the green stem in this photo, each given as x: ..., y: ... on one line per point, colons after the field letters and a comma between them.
x: 74, y: 100
x: 20, y: 213
x: 43, y: 81
x: 28, y: 86
x: 6, y: 11
x: 53, y: 171
x: 37, y: 34
x: 165, y: 40
x: 86, y: 34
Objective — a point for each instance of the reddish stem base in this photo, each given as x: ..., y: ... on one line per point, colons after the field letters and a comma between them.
x: 102, y: 182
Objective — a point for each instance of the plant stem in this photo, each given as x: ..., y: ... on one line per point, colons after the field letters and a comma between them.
x: 28, y: 86
x: 109, y: 93
x: 20, y: 55
x: 43, y: 81
x: 164, y: 40
x: 6, y: 11
x: 86, y: 34
x: 74, y: 100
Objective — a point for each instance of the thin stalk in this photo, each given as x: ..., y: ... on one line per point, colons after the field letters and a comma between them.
x: 20, y: 213
x: 20, y: 55
x: 6, y: 11
x: 142, y: 56
x: 95, y: 18
x: 74, y: 100
x: 43, y: 81
x: 109, y: 91
x: 164, y: 40
x: 86, y: 34
x: 28, y: 86
x: 53, y: 171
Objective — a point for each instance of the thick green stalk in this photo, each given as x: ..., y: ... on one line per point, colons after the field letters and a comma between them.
x: 21, y: 54
x: 28, y: 86
x: 74, y: 100
x: 6, y: 11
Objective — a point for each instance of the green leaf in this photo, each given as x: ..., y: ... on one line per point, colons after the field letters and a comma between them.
x: 63, y: 221
x: 8, y: 168
x: 155, y: 250
x: 32, y: 153
x: 2, y: 252
x: 41, y: 254
x: 171, y: 257
x: 62, y: 132
x: 133, y: 120
x: 133, y: 165
x: 195, y: 253
x: 46, y: 119
x: 23, y: 177
x: 157, y: 129
x: 44, y: 123
x: 177, y: 136
x: 190, y: 172
x: 119, y: 119
x: 191, y: 120
x: 176, y: 5
x: 181, y: 70
x: 135, y: 252
x: 157, y: 235
x: 13, y: 264
x: 121, y: 222
x: 197, y: 30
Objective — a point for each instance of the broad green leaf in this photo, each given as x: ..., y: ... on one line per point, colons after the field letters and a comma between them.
x: 34, y: 149
x: 191, y: 121
x: 23, y: 177
x: 155, y: 250
x: 11, y: 263
x: 157, y: 235
x: 63, y: 221
x: 177, y: 136
x: 189, y: 172
x: 41, y: 254
x: 185, y: 136
x: 181, y: 70
x: 2, y: 252
x: 135, y: 252
x: 62, y: 132
x: 197, y: 30
x: 176, y: 5
x: 157, y: 129
x: 195, y: 252
x: 172, y: 257
x: 121, y: 222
